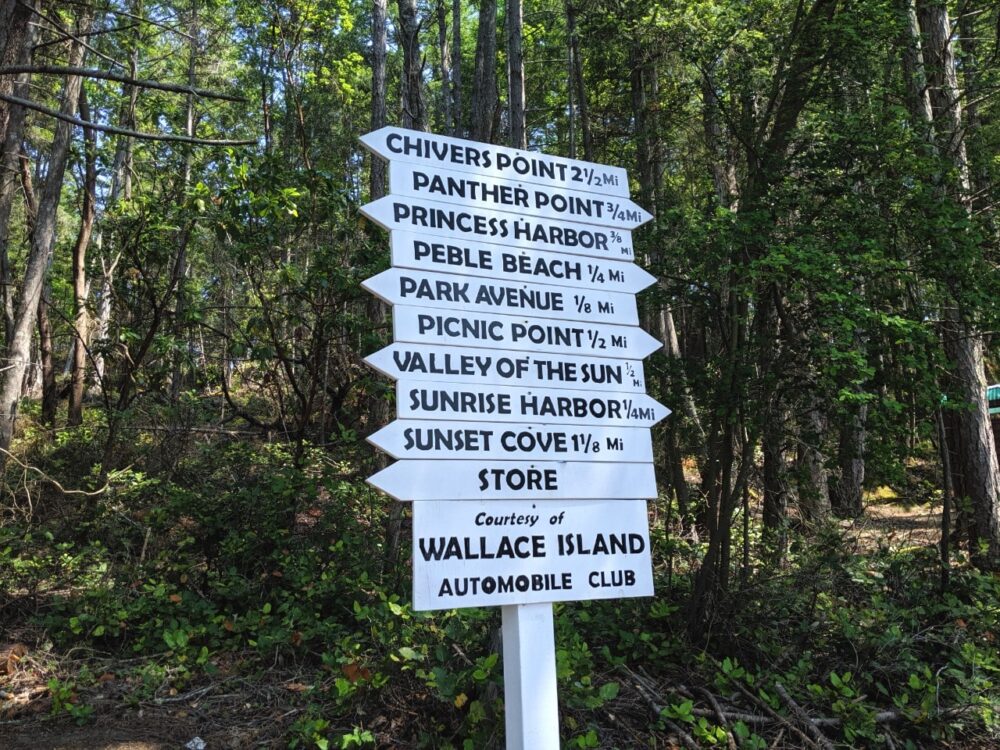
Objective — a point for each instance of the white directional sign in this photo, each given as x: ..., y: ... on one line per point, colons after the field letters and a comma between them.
x: 487, y: 225
x: 515, y: 480
x: 497, y: 403
x: 547, y: 202
x: 486, y: 366
x: 523, y: 430
x: 397, y: 144
x: 415, y: 438
x: 416, y: 324
x: 481, y: 554
x: 446, y: 290
x: 429, y: 253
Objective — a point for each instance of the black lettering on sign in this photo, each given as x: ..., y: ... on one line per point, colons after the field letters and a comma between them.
x: 481, y: 548
x: 426, y: 148
x: 460, y: 328
x: 518, y: 479
x: 435, y: 438
x: 441, y: 364
x: 601, y: 544
x: 452, y: 255
x: 611, y: 578
x: 509, y: 584
x: 470, y: 189
x: 433, y: 400
x: 552, y: 269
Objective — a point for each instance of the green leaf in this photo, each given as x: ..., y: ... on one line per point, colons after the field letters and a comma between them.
x: 609, y: 691
x: 410, y: 654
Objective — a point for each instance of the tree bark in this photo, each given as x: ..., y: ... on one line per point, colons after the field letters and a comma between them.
x: 963, y: 340
x: 181, y: 302
x: 445, y: 56
x: 50, y: 398
x: 81, y: 318
x: 414, y: 116
x: 378, y: 171
x: 456, y: 68
x: 814, y: 486
x: 578, y: 91
x: 846, y: 492
x: 514, y: 21
x: 775, y: 480
x: 39, y: 256
x: 484, y: 84
x: 16, y: 39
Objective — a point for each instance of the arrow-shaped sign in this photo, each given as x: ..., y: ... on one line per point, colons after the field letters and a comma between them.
x: 397, y: 144
x: 515, y: 480
x: 511, y: 230
x: 519, y: 197
x: 429, y: 253
x: 415, y: 438
x: 502, y: 403
x: 425, y: 362
x: 444, y: 290
x: 425, y: 325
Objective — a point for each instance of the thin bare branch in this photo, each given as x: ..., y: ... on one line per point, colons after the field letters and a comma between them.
x: 122, y: 131
x: 105, y: 75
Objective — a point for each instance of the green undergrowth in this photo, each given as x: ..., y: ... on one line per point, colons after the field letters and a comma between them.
x: 258, y: 562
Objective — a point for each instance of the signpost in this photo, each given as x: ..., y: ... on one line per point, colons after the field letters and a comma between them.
x: 523, y: 430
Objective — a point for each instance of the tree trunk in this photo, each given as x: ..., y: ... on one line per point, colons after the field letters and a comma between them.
x: 50, y: 398
x: 445, y: 57
x: 42, y: 243
x: 180, y: 328
x: 775, y: 480
x: 81, y: 319
x: 963, y: 340
x: 15, y: 33
x: 846, y: 493
x: 515, y: 74
x: 16, y: 39
x: 456, y: 68
x: 413, y: 69
x: 378, y: 173
x: 102, y: 323
x: 578, y: 91
x: 814, y: 486
x: 484, y: 84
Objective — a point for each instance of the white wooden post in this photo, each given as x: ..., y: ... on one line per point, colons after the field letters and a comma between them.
x: 529, y: 676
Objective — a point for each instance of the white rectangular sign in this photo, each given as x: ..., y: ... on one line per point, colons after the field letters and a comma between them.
x: 424, y: 325
x: 450, y: 364
x: 431, y: 150
x: 429, y: 479
x: 470, y: 258
x: 453, y: 292
x: 483, y: 554
x: 519, y: 197
x: 512, y: 230
x: 498, y: 403
x: 417, y: 438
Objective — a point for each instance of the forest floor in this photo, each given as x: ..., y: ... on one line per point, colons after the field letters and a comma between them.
x: 229, y: 711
